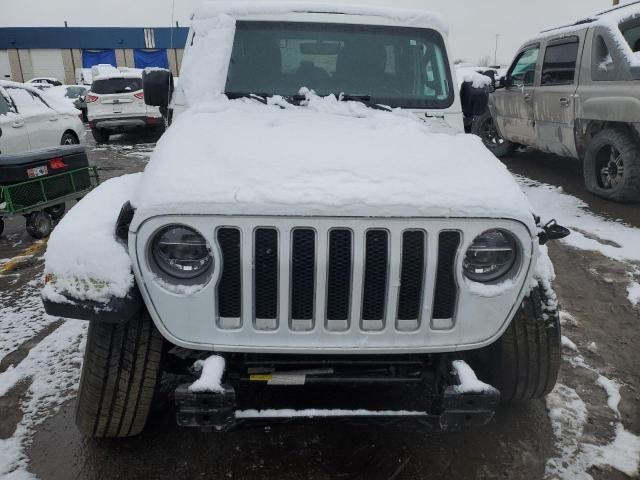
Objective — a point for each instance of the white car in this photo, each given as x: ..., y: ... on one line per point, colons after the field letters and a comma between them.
x: 115, y: 104
x: 44, y: 82
x: 30, y: 120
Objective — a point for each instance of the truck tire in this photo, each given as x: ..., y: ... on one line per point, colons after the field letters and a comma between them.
x: 523, y: 364
x: 484, y: 127
x: 120, y: 374
x: 612, y: 166
x: 99, y: 135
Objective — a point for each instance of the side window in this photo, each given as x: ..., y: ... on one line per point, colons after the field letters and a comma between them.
x: 5, y: 107
x: 559, y: 66
x: 523, y: 70
x: 27, y: 102
x: 602, y: 64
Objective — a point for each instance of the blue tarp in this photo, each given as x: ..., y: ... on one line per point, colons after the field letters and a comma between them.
x: 150, y: 58
x: 97, y: 57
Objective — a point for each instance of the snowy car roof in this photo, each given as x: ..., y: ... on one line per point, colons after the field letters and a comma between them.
x: 108, y: 76
x: 610, y: 18
x: 409, y: 17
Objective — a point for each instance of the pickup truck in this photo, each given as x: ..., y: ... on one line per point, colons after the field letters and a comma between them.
x: 575, y: 91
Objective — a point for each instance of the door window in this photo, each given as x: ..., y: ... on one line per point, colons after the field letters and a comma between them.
x: 5, y: 107
x: 523, y: 71
x: 559, y: 66
x: 27, y: 102
x: 602, y: 63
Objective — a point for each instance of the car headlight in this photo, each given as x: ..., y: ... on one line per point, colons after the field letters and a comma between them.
x: 491, y: 256
x: 181, y: 253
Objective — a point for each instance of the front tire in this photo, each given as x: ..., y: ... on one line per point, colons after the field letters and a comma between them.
x: 39, y: 224
x: 612, y: 166
x: 484, y: 127
x: 119, y: 377
x: 523, y: 364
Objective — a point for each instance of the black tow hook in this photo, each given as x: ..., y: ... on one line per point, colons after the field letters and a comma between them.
x: 552, y: 231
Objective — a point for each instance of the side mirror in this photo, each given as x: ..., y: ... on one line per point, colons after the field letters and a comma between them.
x: 474, y: 100
x: 157, y: 84
x: 507, y: 82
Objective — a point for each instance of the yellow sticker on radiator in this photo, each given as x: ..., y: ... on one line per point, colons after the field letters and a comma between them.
x: 260, y: 377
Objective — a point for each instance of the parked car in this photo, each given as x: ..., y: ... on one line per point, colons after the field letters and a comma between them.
x: 309, y: 234
x: 74, y: 95
x: 44, y: 82
x: 575, y: 92
x: 115, y: 104
x: 30, y: 120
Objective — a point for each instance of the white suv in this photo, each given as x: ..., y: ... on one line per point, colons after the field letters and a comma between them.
x: 115, y: 104
x: 30, y: 119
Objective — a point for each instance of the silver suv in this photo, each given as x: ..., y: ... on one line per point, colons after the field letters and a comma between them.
x: 575, y: 91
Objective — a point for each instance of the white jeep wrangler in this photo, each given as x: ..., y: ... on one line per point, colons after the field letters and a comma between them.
x: 315, y: 216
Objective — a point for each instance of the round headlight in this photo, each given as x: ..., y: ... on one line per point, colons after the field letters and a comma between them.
x: 491, y: 256
x: 181, y: 252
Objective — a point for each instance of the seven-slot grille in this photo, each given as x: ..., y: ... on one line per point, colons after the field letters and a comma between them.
x: 303, y: 279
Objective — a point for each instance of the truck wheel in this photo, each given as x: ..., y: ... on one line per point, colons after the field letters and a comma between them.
x: 523, y: 364
x: 484, y: 127
x: 57, y: 211
x: 612, y: 166
x: 120, y: 373
x: 39, y: 224
x: 99, y: 135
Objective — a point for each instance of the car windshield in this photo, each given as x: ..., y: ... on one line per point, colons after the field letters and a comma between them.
x: 404, y: 67
x: 116, y: 85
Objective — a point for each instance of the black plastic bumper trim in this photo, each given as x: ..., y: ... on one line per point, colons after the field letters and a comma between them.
x: 117, y: 310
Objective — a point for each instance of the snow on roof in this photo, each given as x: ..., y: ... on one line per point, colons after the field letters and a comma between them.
x: 53, y: 101
x: 236, y: 9
x: 110, y: 75
x: 329, y: 158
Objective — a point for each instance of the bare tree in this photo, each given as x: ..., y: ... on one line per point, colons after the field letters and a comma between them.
x: 484, y: 61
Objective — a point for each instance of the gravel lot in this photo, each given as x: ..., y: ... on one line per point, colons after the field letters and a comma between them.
x: 583, y: 435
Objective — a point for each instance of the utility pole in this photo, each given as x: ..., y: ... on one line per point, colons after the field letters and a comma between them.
x: 495, y: 55
x: 616, y: 2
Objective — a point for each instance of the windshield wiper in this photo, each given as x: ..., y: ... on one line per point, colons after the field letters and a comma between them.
x: 366, y: 99
x: 261, y: 97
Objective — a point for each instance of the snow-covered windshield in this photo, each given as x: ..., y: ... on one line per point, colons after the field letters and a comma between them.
x: 403, y: 67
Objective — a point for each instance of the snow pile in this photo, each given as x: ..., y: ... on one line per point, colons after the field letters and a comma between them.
x: 567, y: 343
x: 469, y: 382
x: 327, y: 158
x: 613, y: 393
x: 84, y: 260
x: 210, y: 379
x: 633, y: 293
x: 613, y: 239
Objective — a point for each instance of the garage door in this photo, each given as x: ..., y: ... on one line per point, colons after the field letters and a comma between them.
x: 47, y: 63
x: 5, y: 67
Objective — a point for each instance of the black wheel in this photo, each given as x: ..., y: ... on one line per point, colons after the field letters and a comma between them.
x: 1, y: 225
x: 120, y: 374
x: 523, y: 364
x: 612, y: 166
x: 39, y: 224
x: 69, y: 139
x: 57, y: 211
x: 484, y: 127
x: 99, y: 135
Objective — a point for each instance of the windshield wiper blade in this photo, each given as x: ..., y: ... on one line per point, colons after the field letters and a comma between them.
x: 261, y: 97
x: 366, y: 99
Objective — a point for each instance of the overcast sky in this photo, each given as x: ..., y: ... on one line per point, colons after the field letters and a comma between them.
x: 473, y: 23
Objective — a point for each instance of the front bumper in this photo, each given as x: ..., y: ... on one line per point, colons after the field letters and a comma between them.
x: 437, y: 403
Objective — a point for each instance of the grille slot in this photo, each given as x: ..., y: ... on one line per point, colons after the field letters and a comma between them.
x: 376, y: 268
x: 303, y: 253
x: 339, y: 275
x: 230, y: 285
x: 446, y: 292
x: 266, y: 274
x: 411, y: 275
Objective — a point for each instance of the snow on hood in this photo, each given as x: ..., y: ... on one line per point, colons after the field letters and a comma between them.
x: 328, y: 158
